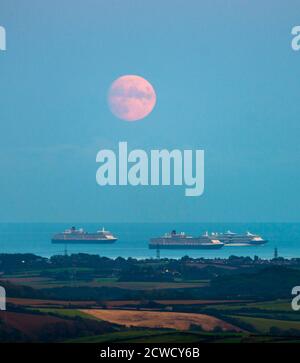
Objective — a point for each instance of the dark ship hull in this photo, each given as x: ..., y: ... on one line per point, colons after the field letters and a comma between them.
x: 83, y: 240
x: 186, y: 246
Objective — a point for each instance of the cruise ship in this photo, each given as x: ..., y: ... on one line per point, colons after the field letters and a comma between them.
x: 74, y: 235
x: 181, y: 240
x: 235, y: 239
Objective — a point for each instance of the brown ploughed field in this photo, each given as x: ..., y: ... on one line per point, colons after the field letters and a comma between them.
x: 155, y: 319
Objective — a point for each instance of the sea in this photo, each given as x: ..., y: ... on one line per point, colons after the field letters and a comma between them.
x: 133, y: 239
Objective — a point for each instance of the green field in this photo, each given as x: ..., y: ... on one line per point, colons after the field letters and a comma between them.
x: 119, y: 336
x: 66, y: 312
x: 277, y: 305
x: 41, y: 282
x: 263, y: 325
x: 271, y: 306
x: 145, y: 285
x: 158, y: 336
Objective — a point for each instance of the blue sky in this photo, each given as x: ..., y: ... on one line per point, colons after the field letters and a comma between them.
x: 226, y: 79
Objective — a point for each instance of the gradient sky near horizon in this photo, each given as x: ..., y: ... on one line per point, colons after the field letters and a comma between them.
x: 226, y: 79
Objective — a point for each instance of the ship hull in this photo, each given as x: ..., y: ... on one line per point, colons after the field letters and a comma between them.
x: 181, y: 242
x: 186, y: 247
x: 84, y: 241
x: 257, y: 243
x: 243, y: 243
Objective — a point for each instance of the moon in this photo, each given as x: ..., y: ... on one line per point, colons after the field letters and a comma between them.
x: 131, y: 98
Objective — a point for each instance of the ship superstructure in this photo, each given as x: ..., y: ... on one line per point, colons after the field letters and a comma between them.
x: 74, y: 235
x: 181, y: 240
x: 238, y: 239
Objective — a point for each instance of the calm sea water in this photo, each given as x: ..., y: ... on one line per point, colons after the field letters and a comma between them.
x: 133, y: 239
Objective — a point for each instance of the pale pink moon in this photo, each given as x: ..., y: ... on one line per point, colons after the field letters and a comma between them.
x: 131, y: 98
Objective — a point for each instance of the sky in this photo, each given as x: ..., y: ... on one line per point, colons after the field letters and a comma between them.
x: 226, y: 81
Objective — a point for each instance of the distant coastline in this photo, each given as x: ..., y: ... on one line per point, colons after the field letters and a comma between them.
x: 133, y: 239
